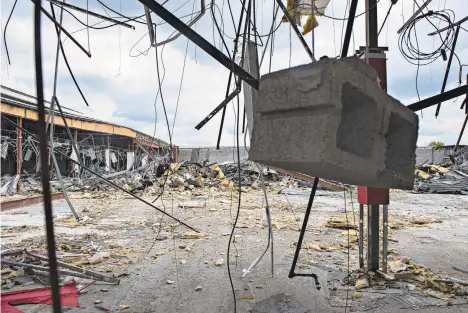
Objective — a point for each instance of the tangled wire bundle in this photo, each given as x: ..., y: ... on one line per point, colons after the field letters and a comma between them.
x: 408, y: 41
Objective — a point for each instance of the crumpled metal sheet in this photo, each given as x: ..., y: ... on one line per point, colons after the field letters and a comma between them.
x: 446, y: 185
x: 11, y: 186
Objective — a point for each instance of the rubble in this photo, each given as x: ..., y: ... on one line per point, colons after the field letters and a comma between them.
x: 430, y: 178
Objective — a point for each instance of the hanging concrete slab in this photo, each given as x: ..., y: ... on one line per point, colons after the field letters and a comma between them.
x: 331, y: 119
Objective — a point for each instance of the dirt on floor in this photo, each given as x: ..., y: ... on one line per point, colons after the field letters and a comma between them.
x: 164, y: 266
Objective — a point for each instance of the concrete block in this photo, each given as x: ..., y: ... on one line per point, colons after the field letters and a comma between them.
x: 330, y: 119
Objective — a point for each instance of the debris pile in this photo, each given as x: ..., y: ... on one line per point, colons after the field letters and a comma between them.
x: 438, y: 179
x: 403, y: 273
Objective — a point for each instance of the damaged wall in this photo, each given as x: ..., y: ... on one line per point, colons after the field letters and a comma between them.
x: 211, y: 154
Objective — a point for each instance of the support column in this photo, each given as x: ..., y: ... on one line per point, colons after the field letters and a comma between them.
x: 75, y: 136
x: 361, y: 235
x: 385, y: 238
x: 108, y: 163
x: 372, y: 237
x: 373, y: 197
x: 19, y: 150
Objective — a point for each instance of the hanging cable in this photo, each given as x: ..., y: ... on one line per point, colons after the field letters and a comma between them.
x: 4, y: 31
x: 66, y: 61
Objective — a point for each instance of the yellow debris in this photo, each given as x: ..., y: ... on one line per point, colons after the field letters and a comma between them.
x: 310, y: 24
x: 123, y: 307
x: 422, y: 174
x: 192, y: 235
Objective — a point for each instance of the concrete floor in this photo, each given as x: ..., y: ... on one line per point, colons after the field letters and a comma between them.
x: 127, y: 223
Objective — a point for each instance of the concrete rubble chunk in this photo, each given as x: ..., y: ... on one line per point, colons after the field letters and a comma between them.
x: 331, y: 119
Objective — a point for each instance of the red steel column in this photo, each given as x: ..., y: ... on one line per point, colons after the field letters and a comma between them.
x: 374, y: 197
x: 19, y: 150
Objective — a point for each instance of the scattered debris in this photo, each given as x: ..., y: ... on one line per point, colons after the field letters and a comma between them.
x: 192, y: 235
x: 123, y: 307
x: 68, y: 297
x: 169, y: 282
x: 219, y: 262
x: 341, y: 224
x: 362, y: 283
x: 198, y: 288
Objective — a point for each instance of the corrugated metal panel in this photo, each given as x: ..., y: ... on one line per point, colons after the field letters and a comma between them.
x: 446, y: 185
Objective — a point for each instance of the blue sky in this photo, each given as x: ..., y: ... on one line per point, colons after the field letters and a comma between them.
x: 121, y: 88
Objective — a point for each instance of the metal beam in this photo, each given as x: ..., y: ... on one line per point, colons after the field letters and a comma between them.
x: 296, y: 30
x: 149, y: 22
x: 61, y: 27
x: 373, y: 26
x: 102, y: 17
x: 449, y: 64
x: 21, y: 203
x: 419, y: 10
x: 450, y: 26
x: 201, y: 42
x: 428, y: 102
x: 193, y: 21
x: 349, y: 28
x: 372, y: 237
x: 223, y: 104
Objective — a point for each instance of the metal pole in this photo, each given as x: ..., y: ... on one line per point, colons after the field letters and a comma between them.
x: 461, y: 132
x: 449, y: 64
x: 19, y: 150
x: 385, y: 238
x: 349, y: 28
x: 41, y: 129
x: 372, y: 237
x: 303, y: 229
x: 361, y: 235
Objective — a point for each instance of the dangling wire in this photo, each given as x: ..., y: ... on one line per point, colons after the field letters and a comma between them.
x: 4, y: 31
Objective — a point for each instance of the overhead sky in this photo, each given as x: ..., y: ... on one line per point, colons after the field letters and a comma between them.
x: 120, y: 80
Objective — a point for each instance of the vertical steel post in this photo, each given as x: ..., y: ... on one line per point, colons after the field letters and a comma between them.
x: 372, y: 237
x: 19, y: 150
x: 75, y: 136
x: 385, y: 238
x: 361, y: 235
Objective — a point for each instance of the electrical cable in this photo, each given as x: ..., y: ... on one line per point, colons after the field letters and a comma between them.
x: 182, y: 77
x: 67, y: 64
x: 411, y: 53
x: 4, y: 31
x: 127, y: 17
x: 93, y: 27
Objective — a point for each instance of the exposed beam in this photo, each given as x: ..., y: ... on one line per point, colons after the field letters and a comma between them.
x: 81, y: 10
x: 450, y: 26
x: 349, y: 28
x: 61, y: 27
x: 428, y: 102
x: 419, y: 10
